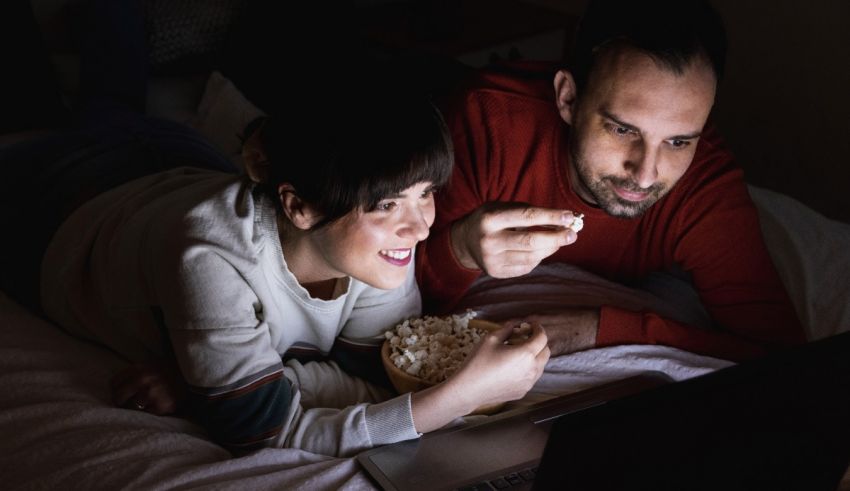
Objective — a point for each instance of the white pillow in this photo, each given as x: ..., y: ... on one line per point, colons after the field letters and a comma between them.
x: 223, y: 114
x: 812, y: 256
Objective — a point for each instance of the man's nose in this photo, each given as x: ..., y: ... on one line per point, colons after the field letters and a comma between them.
x: 642, y: 164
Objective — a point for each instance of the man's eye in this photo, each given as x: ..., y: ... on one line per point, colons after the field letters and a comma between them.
x: 620, y: 130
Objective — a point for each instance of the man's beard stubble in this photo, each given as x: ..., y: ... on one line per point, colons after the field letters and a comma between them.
x: 606, y: 198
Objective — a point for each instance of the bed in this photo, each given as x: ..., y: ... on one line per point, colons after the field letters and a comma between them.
x: 59, y: 429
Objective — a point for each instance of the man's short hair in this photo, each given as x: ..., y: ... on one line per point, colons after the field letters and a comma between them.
x: 672, y: 32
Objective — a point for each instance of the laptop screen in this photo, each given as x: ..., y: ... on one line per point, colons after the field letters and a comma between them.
x: 782, y: 422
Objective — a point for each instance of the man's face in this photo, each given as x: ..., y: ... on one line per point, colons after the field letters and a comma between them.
x: 635, y: 129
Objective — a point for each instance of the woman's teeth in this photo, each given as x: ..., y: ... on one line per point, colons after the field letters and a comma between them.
x: 396, y: 254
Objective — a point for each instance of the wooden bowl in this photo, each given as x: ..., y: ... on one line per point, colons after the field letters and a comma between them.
x: 404, y: 382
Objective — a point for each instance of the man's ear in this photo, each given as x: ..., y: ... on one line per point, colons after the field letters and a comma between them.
x: 254, y: 159
x: 565, y: 95
x: 300, y: 213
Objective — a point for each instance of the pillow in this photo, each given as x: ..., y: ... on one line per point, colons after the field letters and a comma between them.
x: 223, y: 114
x: 812, y: 257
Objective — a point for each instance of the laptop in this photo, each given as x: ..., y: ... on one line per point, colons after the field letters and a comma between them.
x: 508, y: 443
x: 781, y: 422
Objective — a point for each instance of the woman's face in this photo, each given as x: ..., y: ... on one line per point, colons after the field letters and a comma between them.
x: 376, y: 247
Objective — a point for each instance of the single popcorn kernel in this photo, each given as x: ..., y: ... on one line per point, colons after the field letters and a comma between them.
x: 578, y: 223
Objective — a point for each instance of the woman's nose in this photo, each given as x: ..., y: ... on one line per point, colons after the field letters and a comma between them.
x: 415, y: 225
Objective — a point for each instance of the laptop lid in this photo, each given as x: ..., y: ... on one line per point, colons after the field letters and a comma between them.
x: 782, y: 422
x: 510, y: 442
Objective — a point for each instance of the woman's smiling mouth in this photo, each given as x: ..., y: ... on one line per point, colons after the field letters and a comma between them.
x: 397, y: 257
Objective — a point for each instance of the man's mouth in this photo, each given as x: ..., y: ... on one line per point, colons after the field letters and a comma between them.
x: 397, y: 257
x: 630, y: 195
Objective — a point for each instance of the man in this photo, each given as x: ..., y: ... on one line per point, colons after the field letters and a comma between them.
x: 622, y: 140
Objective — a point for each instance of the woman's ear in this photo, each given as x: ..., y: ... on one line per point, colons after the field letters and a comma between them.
x: 565, y: 95
x: 300, y: 213
x: 254, y: 158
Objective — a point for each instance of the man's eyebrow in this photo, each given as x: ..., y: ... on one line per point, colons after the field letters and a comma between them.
x: 607, y: 114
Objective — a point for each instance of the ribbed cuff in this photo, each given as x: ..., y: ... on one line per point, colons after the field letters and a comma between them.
x: 391, y: 421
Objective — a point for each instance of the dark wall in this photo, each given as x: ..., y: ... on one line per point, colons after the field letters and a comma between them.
x: 785, y: 103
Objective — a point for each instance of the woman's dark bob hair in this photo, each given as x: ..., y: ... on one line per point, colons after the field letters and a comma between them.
x: 355, y: 147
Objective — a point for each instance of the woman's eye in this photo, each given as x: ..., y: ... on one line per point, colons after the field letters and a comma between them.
x: 679, y: 143
x: 427, y: 193
x: 386, y: 206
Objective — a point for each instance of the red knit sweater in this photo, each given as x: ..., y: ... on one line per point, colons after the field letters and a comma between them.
x: 511, y: 145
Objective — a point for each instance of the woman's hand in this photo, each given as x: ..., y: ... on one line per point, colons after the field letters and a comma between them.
x: 496, y: 372
x: 155, y: 387
x: 503, y: 367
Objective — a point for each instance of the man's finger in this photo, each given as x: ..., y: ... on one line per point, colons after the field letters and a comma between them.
x: 512, y: 263
x: 528, y: 240
x: 530, y: 216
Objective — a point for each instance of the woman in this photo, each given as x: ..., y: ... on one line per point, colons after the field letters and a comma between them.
x: 309, y: 253
x: 232, y: 274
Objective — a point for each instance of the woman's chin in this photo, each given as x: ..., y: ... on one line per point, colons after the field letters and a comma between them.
x: 384, y: 282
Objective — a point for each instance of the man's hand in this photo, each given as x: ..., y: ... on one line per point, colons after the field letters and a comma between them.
x: 568, y: 330
x: 510, y: 239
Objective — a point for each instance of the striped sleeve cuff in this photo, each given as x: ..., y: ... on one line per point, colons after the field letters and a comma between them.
x: 391, y: 421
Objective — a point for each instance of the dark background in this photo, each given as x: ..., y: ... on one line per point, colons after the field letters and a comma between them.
x: 783, y: 106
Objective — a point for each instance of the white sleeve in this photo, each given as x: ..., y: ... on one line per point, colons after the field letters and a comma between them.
x: 365, y: 420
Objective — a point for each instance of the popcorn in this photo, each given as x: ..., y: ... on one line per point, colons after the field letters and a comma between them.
x: 578, y: 223
x: 432, y: 348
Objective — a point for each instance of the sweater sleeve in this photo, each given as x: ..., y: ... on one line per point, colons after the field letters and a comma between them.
x: 718, y: 241
x: 239, y: 390
x: 334, y: 413
x: 441, y: 277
